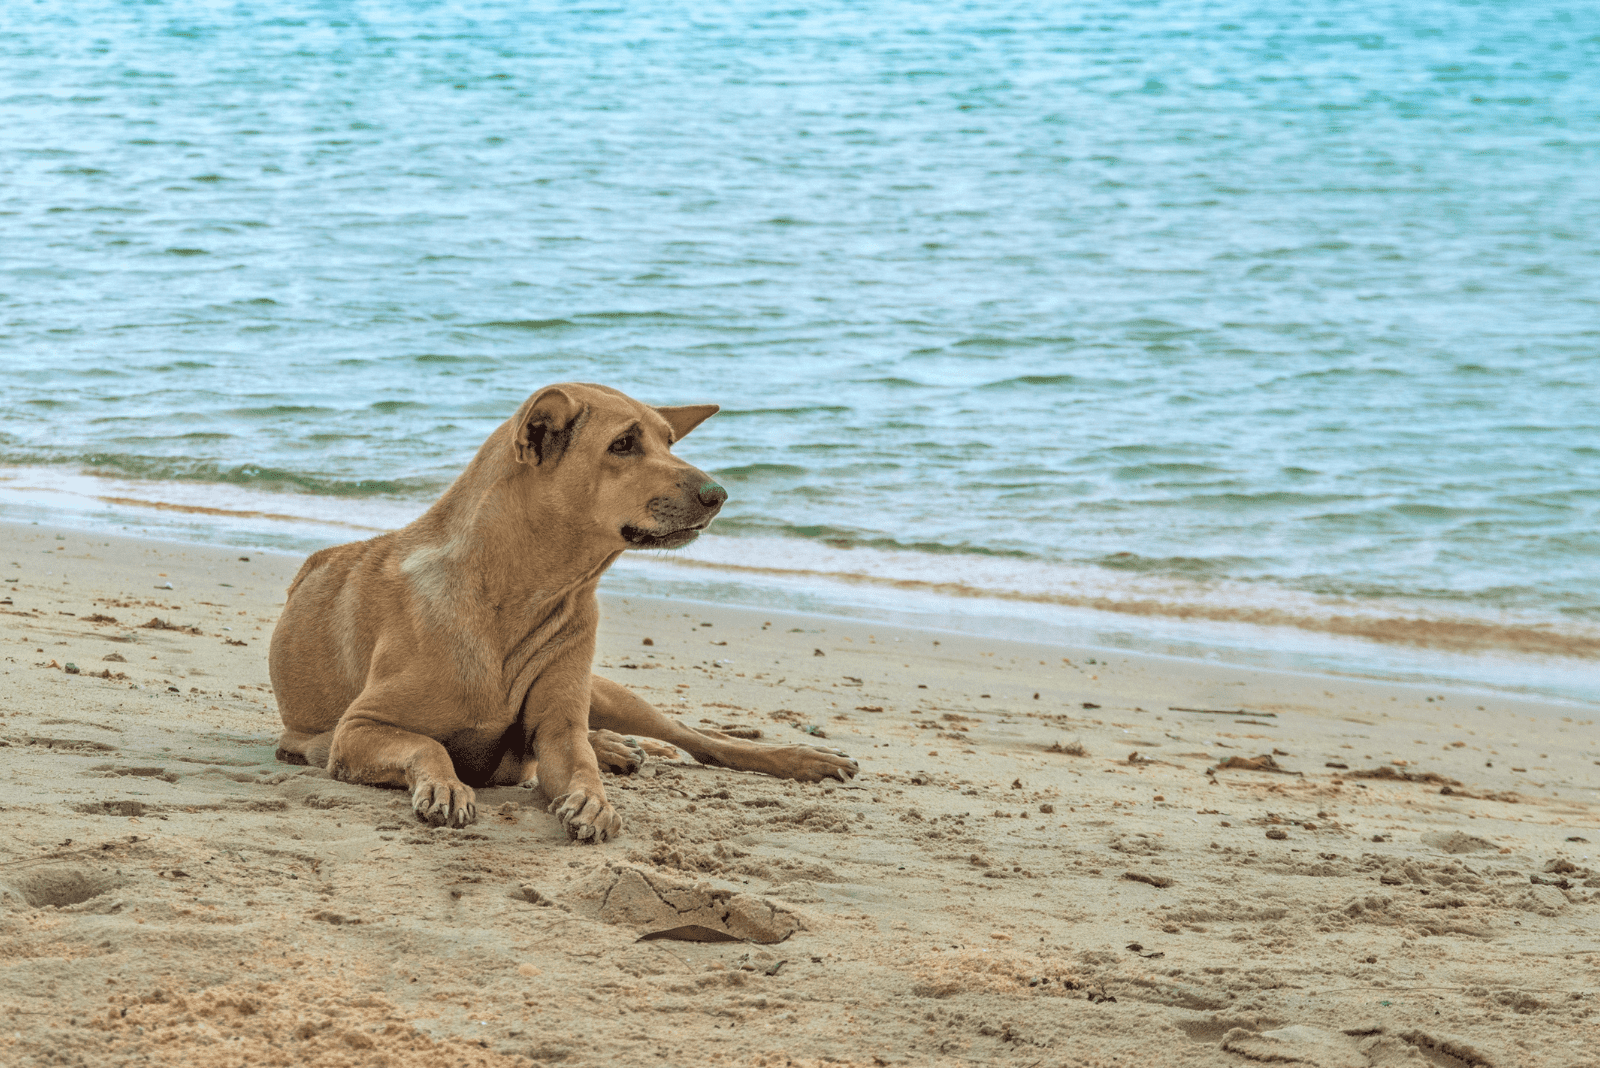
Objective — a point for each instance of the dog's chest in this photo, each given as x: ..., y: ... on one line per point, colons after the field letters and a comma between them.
x: 498, y: 670
x: 499, y: 643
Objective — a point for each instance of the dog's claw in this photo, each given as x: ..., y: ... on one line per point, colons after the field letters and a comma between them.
x: 586, y: 819
x: 845, y: 774
x: 444, y: 803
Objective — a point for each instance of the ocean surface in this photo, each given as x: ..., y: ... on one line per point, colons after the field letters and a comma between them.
x: 1222, y: 325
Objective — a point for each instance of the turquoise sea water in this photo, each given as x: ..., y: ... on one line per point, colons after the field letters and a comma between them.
x: 1226, y: 311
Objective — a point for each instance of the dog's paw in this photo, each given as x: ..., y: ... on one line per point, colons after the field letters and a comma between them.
x: 807, y: 763
x: 444, y: 803
x: 586, y: 817
x: 622, y: 756
x: 658, y: 749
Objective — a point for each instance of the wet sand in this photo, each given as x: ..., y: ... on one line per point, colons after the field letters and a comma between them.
x: 1052, y: 856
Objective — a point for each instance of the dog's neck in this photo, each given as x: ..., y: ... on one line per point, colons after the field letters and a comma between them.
x: 490, y: 545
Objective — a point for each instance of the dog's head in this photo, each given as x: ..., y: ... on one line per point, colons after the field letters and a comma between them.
x: 606, y: 460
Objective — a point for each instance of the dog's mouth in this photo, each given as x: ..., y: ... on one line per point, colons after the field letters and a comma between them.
x: 639, y: 538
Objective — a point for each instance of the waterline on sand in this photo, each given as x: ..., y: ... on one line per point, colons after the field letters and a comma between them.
x: 1025, y: 599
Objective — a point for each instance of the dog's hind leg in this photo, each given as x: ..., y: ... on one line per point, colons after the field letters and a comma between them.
x: 614, y: 707
x: 296, y: 747
x: 616, y: 754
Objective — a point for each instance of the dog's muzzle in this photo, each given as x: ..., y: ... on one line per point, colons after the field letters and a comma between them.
x: 678, y: 521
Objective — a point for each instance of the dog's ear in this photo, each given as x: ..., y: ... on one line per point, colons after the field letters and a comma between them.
x: 685, y: 417
x: 544, y: 426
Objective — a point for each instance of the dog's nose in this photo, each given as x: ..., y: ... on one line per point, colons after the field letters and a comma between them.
x: 712, y: 495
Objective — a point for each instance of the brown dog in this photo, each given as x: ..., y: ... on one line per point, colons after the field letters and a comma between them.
x: 457, y: 650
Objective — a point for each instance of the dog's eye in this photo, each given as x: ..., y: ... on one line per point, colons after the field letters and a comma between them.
x: 623, y: 444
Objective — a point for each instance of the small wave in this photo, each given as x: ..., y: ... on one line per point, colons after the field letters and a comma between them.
x: 394, y: 405
x: 1272, y: 499
x: 526, y: 324
x: 1141, y: 471
x: 746, y: 472
x: 804, y: 409
x: 628, y: 316
x: 847, y: 538
x: 990, y: 342
x: 1189, y: 567
x: 1564, y: 500
x: 1430, y: 511
x: 1031, y: 382
x: 274, y: 410
x: 165, y: 469
x: 1350, y: 372
x: 1138, y: 450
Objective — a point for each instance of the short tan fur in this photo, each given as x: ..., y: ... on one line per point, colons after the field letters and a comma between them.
x: 457, y: 651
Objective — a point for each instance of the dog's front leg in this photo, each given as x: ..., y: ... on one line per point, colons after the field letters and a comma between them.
x: 367, y: 749
x: 556, y: 715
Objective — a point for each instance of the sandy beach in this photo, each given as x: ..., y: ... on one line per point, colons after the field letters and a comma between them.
x: 1052, y: 856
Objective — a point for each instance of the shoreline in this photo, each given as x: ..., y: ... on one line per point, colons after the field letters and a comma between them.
x: 1048, y: 848
x: 1343, y: 642
x: 1014, y: 639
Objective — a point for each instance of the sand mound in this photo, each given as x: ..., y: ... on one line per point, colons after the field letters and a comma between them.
x: 1457, y: 842
x: 654, y: 900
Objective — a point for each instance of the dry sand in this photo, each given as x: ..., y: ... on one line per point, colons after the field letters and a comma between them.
x: 1037, y: 865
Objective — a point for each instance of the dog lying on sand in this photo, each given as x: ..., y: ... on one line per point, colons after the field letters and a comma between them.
x: 457, y: 651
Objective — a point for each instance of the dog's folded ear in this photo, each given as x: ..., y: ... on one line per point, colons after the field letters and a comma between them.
x: 544, y: 426
x: 685, y: 417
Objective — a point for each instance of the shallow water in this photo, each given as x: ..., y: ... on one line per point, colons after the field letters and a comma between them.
x: 1191, y: 311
